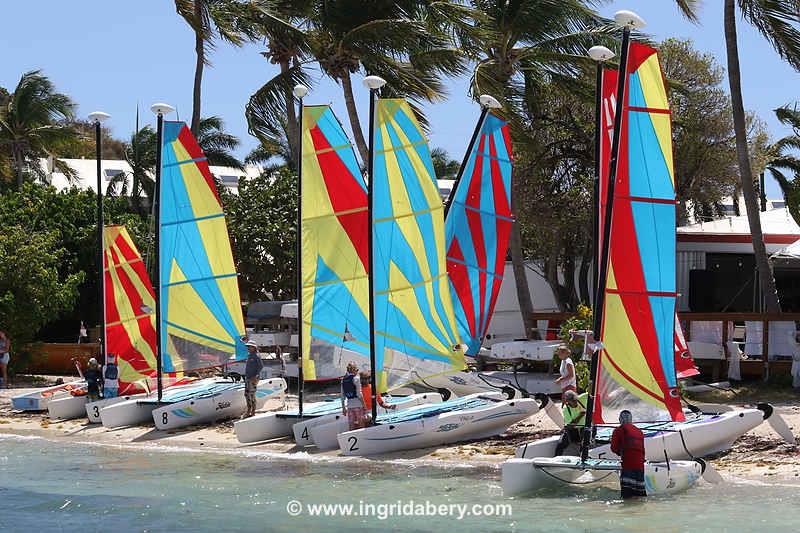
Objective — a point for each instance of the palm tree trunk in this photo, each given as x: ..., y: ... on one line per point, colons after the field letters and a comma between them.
x: 766, y: 277
x: 291, y: 119
x: 200, y: 52
x: 19, y: 163
x: 521, y: 276
x: 352, y: 112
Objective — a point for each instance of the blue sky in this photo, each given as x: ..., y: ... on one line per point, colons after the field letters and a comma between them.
x: 111, y: 55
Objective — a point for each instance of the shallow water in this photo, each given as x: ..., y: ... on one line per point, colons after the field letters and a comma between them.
x: 56, y: 486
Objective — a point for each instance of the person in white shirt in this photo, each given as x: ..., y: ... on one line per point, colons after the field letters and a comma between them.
x: 566, y: 380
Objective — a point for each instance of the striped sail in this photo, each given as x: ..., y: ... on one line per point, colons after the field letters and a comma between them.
x: 129, y: 310
x: 639, y: 314
x: 334, y: 260
x: 201, y: 313
x: 415, y: 327
x: 477, y: 230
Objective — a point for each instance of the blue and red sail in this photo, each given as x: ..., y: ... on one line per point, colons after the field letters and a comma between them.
x: 477, y: 230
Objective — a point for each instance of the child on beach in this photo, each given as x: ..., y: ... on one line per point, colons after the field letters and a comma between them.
x: 353, y: 398
x: 94, y: 380
x: 566, y: 379
x: 366, y: 392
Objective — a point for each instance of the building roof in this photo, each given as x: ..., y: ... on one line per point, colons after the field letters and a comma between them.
x: 732, y: 234
x: 87, y: 173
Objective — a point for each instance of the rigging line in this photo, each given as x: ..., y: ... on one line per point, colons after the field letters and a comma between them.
x: 544, y: 470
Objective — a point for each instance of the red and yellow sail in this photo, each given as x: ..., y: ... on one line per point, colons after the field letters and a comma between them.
x: 129, y: 310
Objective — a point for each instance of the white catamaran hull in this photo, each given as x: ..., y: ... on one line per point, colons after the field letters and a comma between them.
x: 227, y: 404
x: 276, y: 425
x: 38, y: 400
x: 686, y: 440
x: 134, y: 412
x: 445, y: 428
x: 521, y: 476
x: 322, y: 431
x: 67, y: 407
x: 93, y: 408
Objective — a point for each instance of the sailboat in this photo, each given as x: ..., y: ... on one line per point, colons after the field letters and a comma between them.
x: 334, y: 283
x: 414, y: 330
x: 199, y: 323
x: 634, y: 367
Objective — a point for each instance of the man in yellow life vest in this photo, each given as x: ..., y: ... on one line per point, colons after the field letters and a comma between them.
x: 574, y: 410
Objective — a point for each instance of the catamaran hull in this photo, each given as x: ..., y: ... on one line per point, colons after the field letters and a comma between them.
x: 446, y: 428
x: 696, y: 438
x: 270, y: 393
x: 323, y: 431
x: 522, y: 476
x: 67, y: 407
x: 268, y: 426
x: 38, y: 400
x: 93, y: 408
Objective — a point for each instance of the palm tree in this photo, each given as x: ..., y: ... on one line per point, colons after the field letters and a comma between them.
x: 216, y: 144
x: 208, y: 19
x: 34, y: 124
x: 774, y: 19
x: 444, y: 167
x: 275, y: 150
x: 784, y: 164
x: 140, y: 154
x: 517, y: 47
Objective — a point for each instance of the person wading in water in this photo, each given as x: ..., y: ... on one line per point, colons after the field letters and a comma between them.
x: 627, y: 441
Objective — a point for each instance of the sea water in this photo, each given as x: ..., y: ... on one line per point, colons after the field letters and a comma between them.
x: 56, y: 486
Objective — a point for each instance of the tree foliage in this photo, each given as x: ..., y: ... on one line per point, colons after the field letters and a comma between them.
x: 262, y: 226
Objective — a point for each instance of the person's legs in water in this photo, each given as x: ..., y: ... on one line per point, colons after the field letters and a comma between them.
x: 631, y: 484
x: 570, y: 435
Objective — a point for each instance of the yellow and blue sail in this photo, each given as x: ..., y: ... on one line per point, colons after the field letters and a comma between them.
x: 201, y: 313
x: 639, y: 315
x: 415, y: 327
x: 334, y: 241
x: 477, y: 229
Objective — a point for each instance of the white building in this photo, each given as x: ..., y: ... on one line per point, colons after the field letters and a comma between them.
x: 87, y: 173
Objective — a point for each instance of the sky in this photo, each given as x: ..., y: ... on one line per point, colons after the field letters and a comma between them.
x: 113, y: 56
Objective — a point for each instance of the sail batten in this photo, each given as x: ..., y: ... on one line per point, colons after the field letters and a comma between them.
x: 478, y: 227
x: 201, y: 318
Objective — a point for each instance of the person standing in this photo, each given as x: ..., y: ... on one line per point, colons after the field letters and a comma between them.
x: 627, y: 441
x: 366, y: 393
x: 5, y: 357
x: 566, y: 380
x: 353, y: 398
x: 94, y: 381
x: 252, y: 374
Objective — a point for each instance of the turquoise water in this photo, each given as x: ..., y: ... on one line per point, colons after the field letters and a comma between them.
x: 53, y: 486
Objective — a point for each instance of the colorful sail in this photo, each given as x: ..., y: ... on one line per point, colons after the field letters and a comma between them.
x: 129, y: 309
x: 639, y: 313
x: 335, y: 259
x: 477, y: 229
x: 201, y: 312
x: 684, y: 364
x: 415, y: 326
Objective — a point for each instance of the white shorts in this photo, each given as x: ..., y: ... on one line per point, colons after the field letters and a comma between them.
x: 5, y: 358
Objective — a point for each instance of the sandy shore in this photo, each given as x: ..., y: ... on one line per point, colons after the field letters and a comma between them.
x: 759, y: 455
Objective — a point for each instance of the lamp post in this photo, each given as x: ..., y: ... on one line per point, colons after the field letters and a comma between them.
x: 487, y: 103
x: 299, y: 92
x: 97, y: 118
x: 600, y: 54
x: 629, y: 21
x: 160, y: 109
x: 373, y: 83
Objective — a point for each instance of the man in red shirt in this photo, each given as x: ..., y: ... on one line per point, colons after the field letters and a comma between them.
x: 627, y: 441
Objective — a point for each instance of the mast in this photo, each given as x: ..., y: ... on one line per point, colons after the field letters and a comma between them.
x: 487, y: 102
x: 299, y: 92
x: 628, y: 20
x: 98, y: 117
x: 374, y: 83
x: 160, y: 110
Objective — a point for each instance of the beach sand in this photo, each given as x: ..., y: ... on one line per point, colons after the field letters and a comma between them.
x: 759, y: 455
